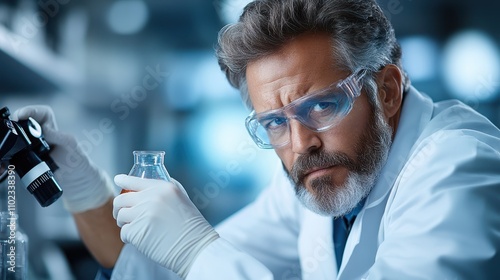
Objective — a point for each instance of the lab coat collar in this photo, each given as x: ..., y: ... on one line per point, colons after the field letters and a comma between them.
x: 416, y: 113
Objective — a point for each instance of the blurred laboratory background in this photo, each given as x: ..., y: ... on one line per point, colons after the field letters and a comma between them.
x: 127, y: 75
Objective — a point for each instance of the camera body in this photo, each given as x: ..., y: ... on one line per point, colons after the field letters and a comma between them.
x: 22, y: 145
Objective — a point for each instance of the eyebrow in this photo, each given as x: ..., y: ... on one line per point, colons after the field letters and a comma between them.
x: 303, y: 98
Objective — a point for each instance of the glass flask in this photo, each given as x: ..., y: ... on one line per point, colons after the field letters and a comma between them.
x: 13, y: 248
x: 149, y: 165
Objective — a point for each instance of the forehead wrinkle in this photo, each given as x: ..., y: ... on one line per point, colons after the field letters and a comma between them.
x: 280, y: 95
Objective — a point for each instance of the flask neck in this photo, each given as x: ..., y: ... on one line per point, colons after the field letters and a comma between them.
x: 148, y: 158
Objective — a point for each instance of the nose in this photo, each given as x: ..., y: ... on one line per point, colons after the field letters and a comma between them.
x: 303, y: 140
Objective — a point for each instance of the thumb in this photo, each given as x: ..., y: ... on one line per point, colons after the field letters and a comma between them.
x: 135, y: 183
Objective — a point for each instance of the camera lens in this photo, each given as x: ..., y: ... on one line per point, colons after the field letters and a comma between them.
x: 37, y: 177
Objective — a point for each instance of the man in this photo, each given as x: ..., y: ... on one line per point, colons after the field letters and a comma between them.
x: 378, y: 181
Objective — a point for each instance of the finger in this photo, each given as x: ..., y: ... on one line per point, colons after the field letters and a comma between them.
x: 44, y: 116
x: 41, y: 113
x: 126, y: 216
x: 135, y: 183
x: 131, y: 233
x: 124, y: 233
x: 125, y: 200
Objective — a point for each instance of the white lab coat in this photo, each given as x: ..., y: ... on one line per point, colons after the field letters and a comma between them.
x: 433, y: 214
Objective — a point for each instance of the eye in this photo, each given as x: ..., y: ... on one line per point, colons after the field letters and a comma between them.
x: 273, y: 123
x: 321, y: 106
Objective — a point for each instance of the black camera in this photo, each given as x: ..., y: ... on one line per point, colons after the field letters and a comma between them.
x: 22, y: 145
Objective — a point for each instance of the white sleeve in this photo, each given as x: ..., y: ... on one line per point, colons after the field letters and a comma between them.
x: 267, y: 230
x: 443, y: 218
x: 221, y: 260
x: 133, y: 265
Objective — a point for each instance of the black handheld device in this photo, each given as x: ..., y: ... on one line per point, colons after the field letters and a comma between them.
x: 23, y: 146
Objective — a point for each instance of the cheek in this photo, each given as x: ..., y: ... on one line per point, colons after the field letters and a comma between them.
x: 286, y: 156
x: 348, y: 132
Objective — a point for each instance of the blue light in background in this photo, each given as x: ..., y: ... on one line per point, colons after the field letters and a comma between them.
x: 223, y: 133
x: 221, y: 140
x: 128, y: 16
x: 230, y: 10
x: 225, y: 139
x: 195, y: 77
x: 471, y: 65
x: 420, y: 57
x: 209, y: 79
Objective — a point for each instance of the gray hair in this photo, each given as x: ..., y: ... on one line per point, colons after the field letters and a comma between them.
x: 362, y: 37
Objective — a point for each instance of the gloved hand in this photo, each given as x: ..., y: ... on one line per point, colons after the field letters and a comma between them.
x: 160, y: 220
x: 85, y: 186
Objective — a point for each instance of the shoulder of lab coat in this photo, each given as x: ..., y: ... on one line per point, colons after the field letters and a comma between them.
x: 442, y: 218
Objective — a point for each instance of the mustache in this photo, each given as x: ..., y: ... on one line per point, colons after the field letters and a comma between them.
x: 318, y: 160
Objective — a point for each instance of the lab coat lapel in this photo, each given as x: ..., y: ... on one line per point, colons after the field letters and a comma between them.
x: 363, y: 241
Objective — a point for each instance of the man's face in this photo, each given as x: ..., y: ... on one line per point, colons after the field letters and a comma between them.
x: 333, y: 170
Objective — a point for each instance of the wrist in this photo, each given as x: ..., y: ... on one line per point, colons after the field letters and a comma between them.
x: 184, y: 253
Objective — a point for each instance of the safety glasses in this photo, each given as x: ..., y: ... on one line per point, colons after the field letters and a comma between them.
x: 318, y: 111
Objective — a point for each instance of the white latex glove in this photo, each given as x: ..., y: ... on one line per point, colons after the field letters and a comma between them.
x: 160, y: 220
x: 84, y: 185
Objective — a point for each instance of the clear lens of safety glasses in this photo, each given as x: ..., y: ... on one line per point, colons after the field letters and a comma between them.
x: 318, y: 111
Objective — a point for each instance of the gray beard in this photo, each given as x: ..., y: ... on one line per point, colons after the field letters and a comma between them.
x: 338, y: 200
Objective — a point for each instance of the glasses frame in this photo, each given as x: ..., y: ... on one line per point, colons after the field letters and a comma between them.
x: 351, y: 86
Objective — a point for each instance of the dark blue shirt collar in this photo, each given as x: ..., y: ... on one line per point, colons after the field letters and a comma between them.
x: 355, y: 211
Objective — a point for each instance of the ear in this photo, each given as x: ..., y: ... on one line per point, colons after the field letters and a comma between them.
x: 390, y: 89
